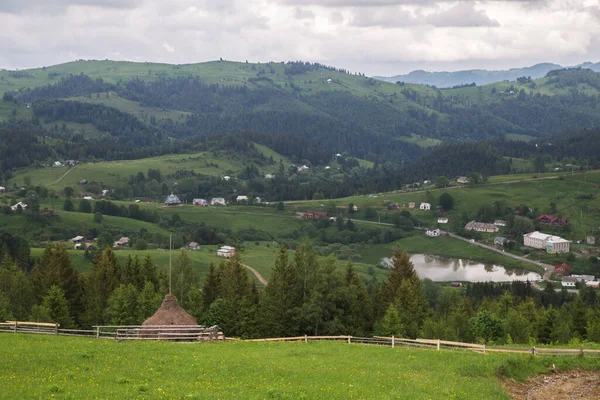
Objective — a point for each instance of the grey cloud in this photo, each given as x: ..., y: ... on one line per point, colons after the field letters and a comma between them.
x: 461, y: 15
x: 378, y: 3
x: 303, y: 13
x: 383, y: 16
x: 20, y: 6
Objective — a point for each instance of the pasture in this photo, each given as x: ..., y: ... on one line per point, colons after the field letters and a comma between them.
x: 39, y: 366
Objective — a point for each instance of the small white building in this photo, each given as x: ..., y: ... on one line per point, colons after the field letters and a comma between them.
x: 19, y: 204
x: 77, y: 239
x: 226, y: 178
x: 226, y: 251
x: 269, y: 176
x: 462, y: 179
x: 499, y: 222
x: 328, y: 167
x: 258, y: 200
x: 104, y: 192
x: 569, y: 281
x: 88, y: 198
x: 218, y: 201
x: 432, y: 232
x: 241, y: 198
x: 442, y: 220
x: 2, y: 189
x: 122, y: 242
x: 57, y: 164
x: 200, y: 202
x: 302, y: 168
x: 425, y: 207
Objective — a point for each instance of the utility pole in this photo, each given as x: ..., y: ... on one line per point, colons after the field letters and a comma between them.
x: 170, y: 247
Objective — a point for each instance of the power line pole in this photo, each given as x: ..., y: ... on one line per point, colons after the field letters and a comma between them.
x: 170, y: 247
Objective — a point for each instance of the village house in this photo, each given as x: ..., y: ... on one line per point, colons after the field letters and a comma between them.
x: 499, y: 222
x: 462, y: 179
x: 551, y: 220
x: 354, y: 208
x: 481, y: 227
x: 241, y: 198
x: 2, y: 189
x: 442, y: 220
x: 218, y: 201
x: 88, y: 198
x: 309, y: 214
x: 84, y: 245
x: 584, y: 278
x: 20, y: 204
x: 593, y: 284
x: 393, y: 206
x: 302, y: 168
x: 562, y: 269
x: 551, y: 244
x: 569, y: 281
x: 226, y: 251
x: 104, y: 192
x: 122, y: 242
x: 269, y: 176
x: 57, y: 164
x: 425, y: 207
x: 82, y: 182
x: 258, y: 200
x: 172, y: 200
x: 48, y: 212
x: 77, y: 239
x: 433, y: 232
x: 193, y: 246
x: 590, y: 240
x: 200, y: 202
x: 411, y: 205
x: 226, y: 178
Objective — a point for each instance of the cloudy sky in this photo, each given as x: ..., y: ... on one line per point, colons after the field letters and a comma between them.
x: 377, y: 37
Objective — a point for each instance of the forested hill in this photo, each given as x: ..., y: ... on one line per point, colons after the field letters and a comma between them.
x: 116, y: 107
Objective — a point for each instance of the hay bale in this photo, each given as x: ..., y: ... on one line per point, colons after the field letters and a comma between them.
x: 170, y: 313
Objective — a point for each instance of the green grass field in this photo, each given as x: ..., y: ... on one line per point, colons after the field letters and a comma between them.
x: 35, y: 366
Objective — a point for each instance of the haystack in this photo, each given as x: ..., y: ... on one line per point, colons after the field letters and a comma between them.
x: 170, y: 313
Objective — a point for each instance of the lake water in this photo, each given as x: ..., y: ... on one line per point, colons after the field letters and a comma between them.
x: 447, y: 269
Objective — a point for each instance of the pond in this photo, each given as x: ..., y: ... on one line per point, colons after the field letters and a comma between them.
x: 452, y: 269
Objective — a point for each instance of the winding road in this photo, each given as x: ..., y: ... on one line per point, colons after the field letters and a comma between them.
x: 257, y: 274
x: 62, y: 176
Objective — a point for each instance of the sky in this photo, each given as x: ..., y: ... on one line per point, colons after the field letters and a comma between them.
x: 375, y: 37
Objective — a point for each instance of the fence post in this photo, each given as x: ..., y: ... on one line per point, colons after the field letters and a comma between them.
x: 56, y: 328
x: 438, y: 345
x: 305, y: 338
x: 393, y: 341
x: 97, y: 332
x: 349, y: 339
x: 533, y: 351
x: 484, y: 349
x: 16, y: 323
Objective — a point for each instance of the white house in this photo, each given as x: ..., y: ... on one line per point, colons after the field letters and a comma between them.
x: 104, y: 192
x: 552, y: 244
x: 218, y: 201
x: 19, y: 204
x: 329, y: 80
x: 499, y: 222
x: 442, y: 220
x: 269, y: 176
x: 462, y: 179
x: 432, y: 232
x: 200, y: 202
x: 57, y: 164
x: 226, y: 251
x: 88, y: 198
x: 258, y: 200
x: 338, y: 155
x: 328, y: 167
x: 2, y: 189
x: 76, y: 239
x: 425, y: 206
x: 241, y: 198
x: 569, y: 281
x: 226, y: 178
x: 122, y: 242
x: 302, y: 168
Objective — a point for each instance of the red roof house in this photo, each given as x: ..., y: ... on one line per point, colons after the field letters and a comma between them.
x: 547, y: 219
x: 562, y: 269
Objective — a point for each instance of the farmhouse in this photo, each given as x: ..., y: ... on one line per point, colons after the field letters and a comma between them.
x: 481, y: 227
x: 57, y: 164
x: 425, y: 206
x: 269, y: 176
x: 442, y: 220
x: 569, y: 281
x: 411, y: 205
x: 562, y: 269
x: 462, y: 179
x: 500, y: 222
x: 432, y: 232
x: 200, y: 202
x: 77, y: 239
x: 593, y: 284
x: 19, y: 204
x: 394, y: 206
x: 258, y: 200
x: 551, y: 220
x: 122, y: 242
x: 314, y: 214
x: 591, y: 240
x: 226, y: 178
x: 302, y: 168
x: 104, y: 192
x: 551, y: 244
x: 88, y: 198
x: 242, y: 198
x: 2, y: 189
x: 218, y: 201
x: 81, y: 246
x: 226, y: 251
x: 82, y: 182
x: 193, y: 246
x: 172, y: 200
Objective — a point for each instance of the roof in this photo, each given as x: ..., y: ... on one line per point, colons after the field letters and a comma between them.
x: 570, y: 279
x: 218, y: 199
x: 76, y: 238
x: 227, y: 248
x: 172, y: 199
x: 170, y: 313
x: 544, y: 236
x: 193, y: 244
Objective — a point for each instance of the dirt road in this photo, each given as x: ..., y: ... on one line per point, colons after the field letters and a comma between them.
x: 62, y: 176
x: 260, y: 278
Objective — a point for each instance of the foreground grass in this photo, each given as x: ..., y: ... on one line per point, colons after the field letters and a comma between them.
x: 60, y: 367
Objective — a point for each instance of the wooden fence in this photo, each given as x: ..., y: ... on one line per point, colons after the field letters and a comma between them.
x: 203, y: 334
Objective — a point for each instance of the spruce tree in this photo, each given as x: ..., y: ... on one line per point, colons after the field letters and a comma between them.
x: 101, y: 281
x: 123, y: 306
x: 55, y: 305
x: 148, y: 302
x: 210, y: 287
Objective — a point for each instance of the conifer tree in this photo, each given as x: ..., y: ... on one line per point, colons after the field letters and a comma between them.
x: 390, y: 324
x: 210, y: 287
x: 148, y: 302
x: 55, y: 305
x: 123, y: 306
x: 101, y: 281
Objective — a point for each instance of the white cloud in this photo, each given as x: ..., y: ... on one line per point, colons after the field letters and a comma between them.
x: 374, y: 37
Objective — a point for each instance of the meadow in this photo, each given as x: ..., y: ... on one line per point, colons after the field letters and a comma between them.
x: 37, y: 366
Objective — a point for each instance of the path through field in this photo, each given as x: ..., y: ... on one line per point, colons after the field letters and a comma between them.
x: 62, y: 176
x: 260, y: 278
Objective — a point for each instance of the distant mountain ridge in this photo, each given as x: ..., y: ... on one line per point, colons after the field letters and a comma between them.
x: 479, y: 76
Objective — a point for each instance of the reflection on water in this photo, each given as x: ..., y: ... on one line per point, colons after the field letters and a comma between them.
x: 445, y: 269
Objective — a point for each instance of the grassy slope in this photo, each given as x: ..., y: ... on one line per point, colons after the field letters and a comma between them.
x: 112, y: 173
x: 61, y: 367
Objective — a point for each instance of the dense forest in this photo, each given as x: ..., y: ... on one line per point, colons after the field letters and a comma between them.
x: 304, y: 296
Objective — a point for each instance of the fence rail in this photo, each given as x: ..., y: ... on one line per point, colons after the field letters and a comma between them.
x: 202, y: 334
